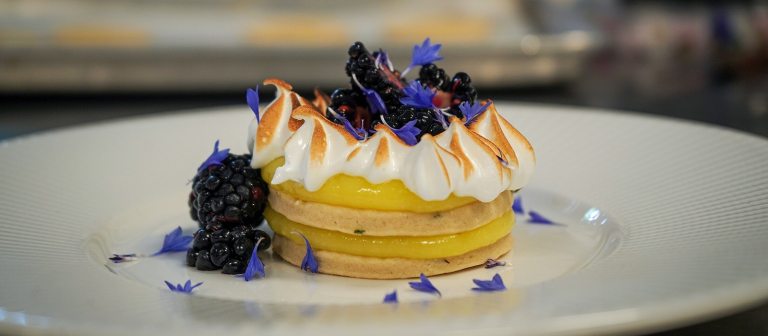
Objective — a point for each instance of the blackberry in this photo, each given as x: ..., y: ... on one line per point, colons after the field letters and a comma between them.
x: 434, y: 77
x: 357, y: 49
x: 227, y: 200
x: 427, y: 122
x: 366, y: 75
x: 228, y: 194
x: 226, y: 249
x: 361, y: 68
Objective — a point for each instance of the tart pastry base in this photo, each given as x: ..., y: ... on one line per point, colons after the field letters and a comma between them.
x: 389, y: 223
x: 388, y: 268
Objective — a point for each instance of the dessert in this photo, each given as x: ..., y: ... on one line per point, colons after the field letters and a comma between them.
x: 390, y: 178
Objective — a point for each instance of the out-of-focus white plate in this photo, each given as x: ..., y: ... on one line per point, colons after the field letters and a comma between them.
x: 659, y: 223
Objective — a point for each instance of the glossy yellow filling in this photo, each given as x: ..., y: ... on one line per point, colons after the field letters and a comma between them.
x: 357, y: 192
x: 413, y: 247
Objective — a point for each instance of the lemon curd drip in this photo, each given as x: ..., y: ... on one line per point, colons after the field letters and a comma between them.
x: 413, y: 247
x: 357, y: 192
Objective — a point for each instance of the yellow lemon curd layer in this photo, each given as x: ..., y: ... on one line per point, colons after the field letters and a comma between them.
x: 413, y: 247
x: 357, y: 192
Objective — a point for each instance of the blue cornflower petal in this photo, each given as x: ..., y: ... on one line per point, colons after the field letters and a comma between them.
x: 536, y: 218
x: 375, y: 102
x: 187, y: 287
x: 517, y: 206
x: 252, y: 97
x: 391, y: 297
x: 175, y: 241
x: 358, y: 133
x: 495, y: 284
x: 408, y: 132
x: 423, y: 54
x: 120, y: 258
x: 441, y: 118
x: 383, y: 58
x: 170, y: 286
x: 417, y: 95
x: 255, y: 266
x: 309, y: 263
x: 471, y: 111
x: 424, y: 285
x: 215, y: 158
x: 426, y: 53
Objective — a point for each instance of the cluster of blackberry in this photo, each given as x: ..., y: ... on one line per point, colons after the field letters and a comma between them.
x: 227, y: 201
x: 363, y: 69
x: 460, y: 87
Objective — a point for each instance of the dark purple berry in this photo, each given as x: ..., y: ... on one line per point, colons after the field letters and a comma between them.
x: 203, y: 262
x: 212, y: 182
x: 233, y: 266
x: 238, y: 232
x: 244, y: 246
x: 232, y: 212
x: 232, y: 199
x: 220, y: 236
x: 225, y: 190
x: 217, y: 204
x: 202, y: 240
x: 219, y: 254
x: 192, y: 257
x: 357, y: 49
x: 237, y: 179
x: 265, y: 240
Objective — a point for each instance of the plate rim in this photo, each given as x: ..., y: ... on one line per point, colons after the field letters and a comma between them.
x: 731, y: 300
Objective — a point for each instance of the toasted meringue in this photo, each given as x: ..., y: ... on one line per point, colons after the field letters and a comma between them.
x: 481, y: 160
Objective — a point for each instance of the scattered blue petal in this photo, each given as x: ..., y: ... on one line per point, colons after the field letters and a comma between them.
x: 408, y: 132
x: 426, y: 53
x: 423, y: 54
x: 424, y: 285
x: 491, y: 263
x: 517, y: 206
x: 536, y: 218
x: 215, y: 158
x: 417, y: 95
x: 472, y: 111
x: 255, y: 266
x: 120, y: 258
x: 391, y: 297
x: 252, y: 97
x: 493, y: 285
x: 175, y: 241
x: 375, y: 102
x: 441, y: 118
x: 383, y: 58
x: 309, y: 263
x: 187, y: 287
x: 358, y: 133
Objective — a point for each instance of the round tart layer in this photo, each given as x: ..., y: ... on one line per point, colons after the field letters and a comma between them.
x: 389, y: 268
x: 389, y: 223
x: 415, y: 247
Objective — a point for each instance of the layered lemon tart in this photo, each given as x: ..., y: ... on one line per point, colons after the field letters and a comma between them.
x: 391, y: 178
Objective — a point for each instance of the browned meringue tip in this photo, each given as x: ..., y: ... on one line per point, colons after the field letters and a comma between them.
x: 306, y: 112
x: 278, y: 82
x: 321, y: 101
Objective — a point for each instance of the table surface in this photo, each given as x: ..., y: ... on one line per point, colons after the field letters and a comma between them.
x: 742, y: 106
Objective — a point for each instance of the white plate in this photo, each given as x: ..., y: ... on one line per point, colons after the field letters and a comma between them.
x: 661, y: 223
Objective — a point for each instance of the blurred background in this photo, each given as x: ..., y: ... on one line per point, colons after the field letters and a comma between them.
x: 65, y: 62
x: 68, y: 62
